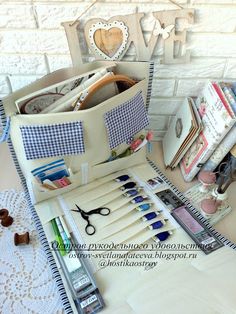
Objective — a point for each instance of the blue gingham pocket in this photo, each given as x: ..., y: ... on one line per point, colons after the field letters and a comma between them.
x: 124, y: 121
x: 42, y: 141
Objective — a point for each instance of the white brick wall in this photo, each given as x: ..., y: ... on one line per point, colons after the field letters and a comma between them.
x: 33, y: 43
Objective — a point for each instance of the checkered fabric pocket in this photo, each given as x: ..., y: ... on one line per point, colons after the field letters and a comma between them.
x: 126, y: 120
x: 42, y: 141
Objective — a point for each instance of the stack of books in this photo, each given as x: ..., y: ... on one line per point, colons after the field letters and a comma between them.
x: 217, y: 108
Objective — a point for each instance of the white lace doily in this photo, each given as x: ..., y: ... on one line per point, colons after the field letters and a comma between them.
x: 26, y: 282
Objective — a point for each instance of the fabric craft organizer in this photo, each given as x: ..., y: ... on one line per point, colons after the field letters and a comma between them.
x: 96, y: 131
x: 46, y: 136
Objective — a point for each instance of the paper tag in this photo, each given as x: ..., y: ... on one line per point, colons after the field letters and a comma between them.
x: 81, y: 282
x: 88, y: 301
x: 208, y: 241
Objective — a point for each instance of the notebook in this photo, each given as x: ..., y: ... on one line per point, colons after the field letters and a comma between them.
x: 183, y: 130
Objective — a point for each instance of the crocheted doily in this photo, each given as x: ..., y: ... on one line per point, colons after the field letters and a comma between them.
x: 26, y: 282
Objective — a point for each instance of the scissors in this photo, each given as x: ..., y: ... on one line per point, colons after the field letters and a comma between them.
x: 226, y: 175
x: 90, y: 229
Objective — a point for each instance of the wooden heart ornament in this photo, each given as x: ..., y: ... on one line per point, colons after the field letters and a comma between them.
x: 109, y: 39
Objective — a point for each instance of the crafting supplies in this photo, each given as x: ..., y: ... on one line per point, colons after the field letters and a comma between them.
x: 47, y: 187
x: 143, y: 207
x: 143, y: 141
x: 85, y: 293
x: 6, y: 219
x: 50, y: 184
x: 52, y: 171
x: 139, y: 199
x: 182, y: 132
x: 89, y: 228
x: 157, y: 224
x: 124, y: 177
x: 196, y: 229
x: 192, y: 225
x: 150, y: 216
x: 135, y: 146
x: 20, y: 239
x: 68, y: 102
x: 97, y: 149
x: 92, y: 303
x: 41, y: 100
x: 128, y: 185
x: 38, y: 103
x: 60, y: 183
x: 217, y: 120
x: 58, y: 237
x: 84, y: 102
x: 227, y: 173
x: 162, y: 236
x: 65, y: 239
x: 132, y: 192
x: 155, y: 182
x: 126, y: 120
x: 169, y: 198
x: 64, y: 226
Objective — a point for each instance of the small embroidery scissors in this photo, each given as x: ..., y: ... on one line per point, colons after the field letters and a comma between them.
x: 90, y: 229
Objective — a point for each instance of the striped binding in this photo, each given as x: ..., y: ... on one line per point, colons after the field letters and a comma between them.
x: 42, y: 237
x: 149, y: 90
x: 196, y: 213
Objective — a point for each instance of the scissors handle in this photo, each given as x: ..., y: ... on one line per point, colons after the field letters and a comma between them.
x: 103, y: 211
x: 90, y: 229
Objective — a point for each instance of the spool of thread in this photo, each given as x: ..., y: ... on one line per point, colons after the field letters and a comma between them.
x: 129, y: 185
x: 149, y: 216
x: 206, y: 178
x: 131, y: 192
x: 209, y: 207
x: 162, y: 236
x: 122, y: 178
x: 21, y: 238
x: 139, y: 199
x: 6, y: 220
x: 143, y: 207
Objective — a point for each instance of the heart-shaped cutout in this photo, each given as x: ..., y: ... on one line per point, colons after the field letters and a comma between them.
x: 109, y: 40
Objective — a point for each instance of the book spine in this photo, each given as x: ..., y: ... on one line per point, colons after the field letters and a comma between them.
x: 217, y: 122
x: 203, y: 158
x: 222, y: 150
x: 223, y: 99
x: 230, y: 97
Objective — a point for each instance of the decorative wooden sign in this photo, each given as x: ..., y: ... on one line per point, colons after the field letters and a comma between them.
x: 110, y: 40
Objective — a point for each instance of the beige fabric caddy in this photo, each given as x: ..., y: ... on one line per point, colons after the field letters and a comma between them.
x: 97, y: 149
x: 204, y: 285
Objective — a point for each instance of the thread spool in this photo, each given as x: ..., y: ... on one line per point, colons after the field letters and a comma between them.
x: 209, y: 207
x: 21, y: 238
x: 6, y: 220
x: 207, y: 179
